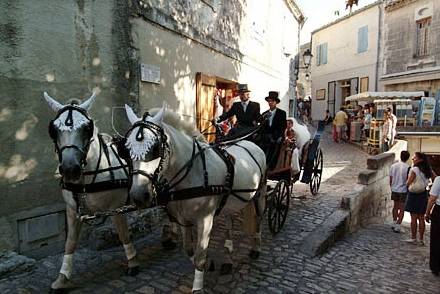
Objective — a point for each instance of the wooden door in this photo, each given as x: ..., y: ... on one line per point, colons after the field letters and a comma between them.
x: 205, y: 104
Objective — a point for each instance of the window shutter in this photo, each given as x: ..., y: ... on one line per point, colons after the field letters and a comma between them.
x: 324, y: 53
x: 318, y: 55
x: 362, y: 39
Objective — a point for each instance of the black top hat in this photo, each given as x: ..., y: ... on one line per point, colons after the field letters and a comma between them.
x: 274, y: 96
x: 242, y: 88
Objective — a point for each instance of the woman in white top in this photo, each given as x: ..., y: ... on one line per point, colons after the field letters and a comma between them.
x: 417, y: 201
x: 433, y: 215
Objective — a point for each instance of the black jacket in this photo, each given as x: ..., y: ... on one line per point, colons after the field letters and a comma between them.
x: 244, y: 119
x: 278, y: 124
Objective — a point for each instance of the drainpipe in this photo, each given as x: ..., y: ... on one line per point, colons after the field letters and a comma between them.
x: 379, y: 37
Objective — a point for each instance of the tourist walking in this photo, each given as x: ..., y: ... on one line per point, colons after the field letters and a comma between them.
x: 367, y: 123
x: 433, y: 215
x: 340, y: 124
x: 398, y: 177
x: 417, y: 199
x: 386, y: 132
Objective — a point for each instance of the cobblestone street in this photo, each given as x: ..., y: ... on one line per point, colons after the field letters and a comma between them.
x: 372, y: 260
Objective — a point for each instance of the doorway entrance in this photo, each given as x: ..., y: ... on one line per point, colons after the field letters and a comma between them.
x: 214, y: 95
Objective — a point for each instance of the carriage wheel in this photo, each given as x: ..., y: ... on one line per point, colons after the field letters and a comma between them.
x: 315, y: 182
x: 278, y: 206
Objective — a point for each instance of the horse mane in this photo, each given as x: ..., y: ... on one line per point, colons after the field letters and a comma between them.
x: 176, y: 121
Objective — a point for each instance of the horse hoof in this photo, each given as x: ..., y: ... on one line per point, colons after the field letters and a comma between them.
x: 132, y: 271
x: 226, y: 268
x: 254, y: 254
x: 169, y: 245
x: 211, y: 267
x: 198, y: 291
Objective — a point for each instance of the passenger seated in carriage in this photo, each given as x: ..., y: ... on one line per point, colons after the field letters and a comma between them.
x: 273, y: 129
x: 289, y: 144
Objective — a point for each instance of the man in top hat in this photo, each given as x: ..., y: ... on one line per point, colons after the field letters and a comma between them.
x: 273, y: 128
x: 247, y: 112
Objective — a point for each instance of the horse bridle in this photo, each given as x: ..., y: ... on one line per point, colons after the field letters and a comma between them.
x: 69, y: 122
x: 160, y: 152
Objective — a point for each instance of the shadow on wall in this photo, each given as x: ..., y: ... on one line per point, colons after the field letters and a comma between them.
x: 69, y: 50
x: 195, y: 39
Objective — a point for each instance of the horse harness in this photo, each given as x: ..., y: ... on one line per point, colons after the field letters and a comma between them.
x: 163, y: 188
x: 80, y: 191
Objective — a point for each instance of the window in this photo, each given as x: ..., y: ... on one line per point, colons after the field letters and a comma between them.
x: 364, y: 84
x: 423, y: 36
x: 362, y: 39
x: 321, y: 54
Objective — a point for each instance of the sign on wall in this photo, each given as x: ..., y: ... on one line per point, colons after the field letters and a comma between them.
x: 150, y: 73
x: 320, y: 94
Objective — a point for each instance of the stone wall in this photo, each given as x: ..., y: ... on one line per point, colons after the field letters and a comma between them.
x: 370, y: 200
x: 69, y: 49
x: 400, y: 38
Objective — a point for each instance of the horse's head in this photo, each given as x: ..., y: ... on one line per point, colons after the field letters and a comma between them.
x: 71, y: 131
x: 146, y: 142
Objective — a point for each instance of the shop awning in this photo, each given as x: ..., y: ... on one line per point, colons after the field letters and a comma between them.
x: 370, y: 96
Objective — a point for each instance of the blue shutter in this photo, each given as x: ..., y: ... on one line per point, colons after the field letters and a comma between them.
x: 324, y: 53
x: 362, y: 39
x: 318, y: 55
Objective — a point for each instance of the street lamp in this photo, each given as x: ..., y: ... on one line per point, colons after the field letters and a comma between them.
x: 307, y: 58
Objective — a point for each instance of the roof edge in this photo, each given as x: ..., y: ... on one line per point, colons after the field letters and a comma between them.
x: 348, y: 16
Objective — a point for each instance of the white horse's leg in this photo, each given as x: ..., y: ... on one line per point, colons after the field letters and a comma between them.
x: 204, y: 227
x: 188, y: 241
x: 226, y: 266
x: 261, y: 202
x: 122, y: 228
x: 73, y: 230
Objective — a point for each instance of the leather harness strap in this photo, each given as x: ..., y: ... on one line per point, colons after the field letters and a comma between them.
x: 94, y: 186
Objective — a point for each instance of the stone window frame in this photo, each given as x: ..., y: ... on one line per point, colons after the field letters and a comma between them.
x: 422, y: 36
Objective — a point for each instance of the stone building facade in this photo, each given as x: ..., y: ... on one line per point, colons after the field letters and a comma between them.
x: 411, y: 51
x: 346, y: 58
x: 140, y: 52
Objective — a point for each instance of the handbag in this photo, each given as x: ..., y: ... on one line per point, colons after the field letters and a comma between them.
x: 417, y: 186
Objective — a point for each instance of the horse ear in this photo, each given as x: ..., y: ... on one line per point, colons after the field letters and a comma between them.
x: 158, y: 118
x: 88, y: 103
x: 55, y: 105
x: 132, y: 117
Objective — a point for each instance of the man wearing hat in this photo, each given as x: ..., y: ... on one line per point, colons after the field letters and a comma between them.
x: 273, y: 129
x: 247, y: 112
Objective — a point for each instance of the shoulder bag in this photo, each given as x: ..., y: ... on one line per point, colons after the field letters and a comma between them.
x: 418, y: 185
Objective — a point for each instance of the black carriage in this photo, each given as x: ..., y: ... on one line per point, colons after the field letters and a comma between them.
x: 280, y: 180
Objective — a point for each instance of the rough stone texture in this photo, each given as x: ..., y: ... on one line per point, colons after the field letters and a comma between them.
x: 401, y: 38
x: 67, y: 48
x: 11, y: 263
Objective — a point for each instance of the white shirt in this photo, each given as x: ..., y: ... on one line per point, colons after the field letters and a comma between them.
x: 244, y: 104
x: 435, y: 190
x: 399, y: 173
x: 272, y: 114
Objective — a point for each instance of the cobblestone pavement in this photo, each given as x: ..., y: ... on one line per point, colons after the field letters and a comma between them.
x: 373, y: 260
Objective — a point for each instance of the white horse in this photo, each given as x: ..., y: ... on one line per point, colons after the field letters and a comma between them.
x: 172, y: 167
x: 87, y: 160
